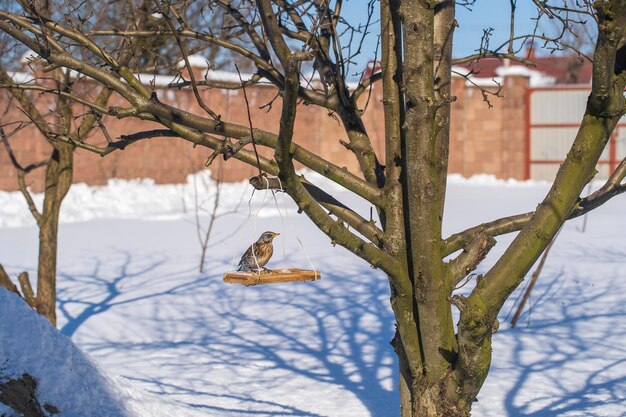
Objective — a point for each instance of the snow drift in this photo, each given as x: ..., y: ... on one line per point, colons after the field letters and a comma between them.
x: 66, y: 378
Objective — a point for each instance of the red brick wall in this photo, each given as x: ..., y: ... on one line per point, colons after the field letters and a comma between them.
x: 487, y: 140
x: 513, y: 136
x: 482, y: 140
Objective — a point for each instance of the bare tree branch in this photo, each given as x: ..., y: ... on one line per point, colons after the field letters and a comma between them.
x: 515, y: 223
x: 330, y: 203
x: 27, y: 290
x: 472, y: 255
x: 21, y: 172
x: 6, y: 282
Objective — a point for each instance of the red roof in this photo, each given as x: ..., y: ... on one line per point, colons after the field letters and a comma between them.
x: 566, y: 69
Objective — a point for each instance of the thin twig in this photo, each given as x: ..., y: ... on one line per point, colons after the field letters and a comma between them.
x: 204, y: 242
x: 245, y: 97
x: 584, y: 228
x: 533, y: 281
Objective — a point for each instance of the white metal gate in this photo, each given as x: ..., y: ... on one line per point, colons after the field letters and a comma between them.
x: 552, y: 120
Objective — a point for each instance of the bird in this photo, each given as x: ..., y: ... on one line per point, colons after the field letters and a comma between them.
x: 258, y: 254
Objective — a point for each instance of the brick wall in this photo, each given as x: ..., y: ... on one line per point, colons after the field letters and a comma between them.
x: 487, y: 140
x: 483, y: 140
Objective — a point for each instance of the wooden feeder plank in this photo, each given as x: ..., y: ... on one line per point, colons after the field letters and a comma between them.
x: 272, y: 277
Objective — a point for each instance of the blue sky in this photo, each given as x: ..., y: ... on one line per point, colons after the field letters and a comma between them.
x: 484, y: 14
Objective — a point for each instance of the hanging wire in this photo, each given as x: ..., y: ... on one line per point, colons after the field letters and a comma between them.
x: 293, y: 230
x: 243, y: 229
x: 282, y: 222
x: 254, y: 227
x: 245, y: 97
x: 256, y: 218
x: 282, y: 219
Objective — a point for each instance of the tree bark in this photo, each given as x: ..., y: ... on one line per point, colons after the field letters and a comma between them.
x: 423, y: 192
x: 58, y: 182
x: 430, y: 399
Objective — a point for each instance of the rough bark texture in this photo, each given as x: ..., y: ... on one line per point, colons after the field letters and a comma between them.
x: 424, y: 188
x: 58, y: 182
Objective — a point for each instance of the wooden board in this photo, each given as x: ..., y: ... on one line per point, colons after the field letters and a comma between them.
x: 271, y: 277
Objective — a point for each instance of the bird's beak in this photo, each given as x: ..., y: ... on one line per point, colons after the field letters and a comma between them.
x: 276, y: 234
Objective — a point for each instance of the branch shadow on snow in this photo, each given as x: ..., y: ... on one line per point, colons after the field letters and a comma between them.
x: 126, y: 281
x: 569, y: 357
x: 233, y: 349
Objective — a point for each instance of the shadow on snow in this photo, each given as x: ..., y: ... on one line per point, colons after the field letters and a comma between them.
x: 220, y: 347
x: 575, y: 334
x: 335, y: 331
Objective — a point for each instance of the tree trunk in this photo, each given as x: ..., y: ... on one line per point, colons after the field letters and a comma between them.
x: 426, y: 387
x: 447, y: 397
x: 58, y: 182
x: 431, y: 401
x: 46, y: 268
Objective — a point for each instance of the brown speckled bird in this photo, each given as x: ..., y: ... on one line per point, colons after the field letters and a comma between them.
x: 262, y: 250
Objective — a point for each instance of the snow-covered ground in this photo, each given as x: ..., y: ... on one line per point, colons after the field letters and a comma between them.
x: 132, y: 299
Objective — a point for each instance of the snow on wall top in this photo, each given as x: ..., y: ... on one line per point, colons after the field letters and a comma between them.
x: 29, y: 56
x: 211, y: 75
x: 196, y: 61
x: 536, y: 78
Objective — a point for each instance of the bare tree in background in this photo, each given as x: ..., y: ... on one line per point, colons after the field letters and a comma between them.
x: 59, y: 119
x: 442, y: 367
x: 204, y: 233
x: 76, y: 124
x: 575, y: 40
